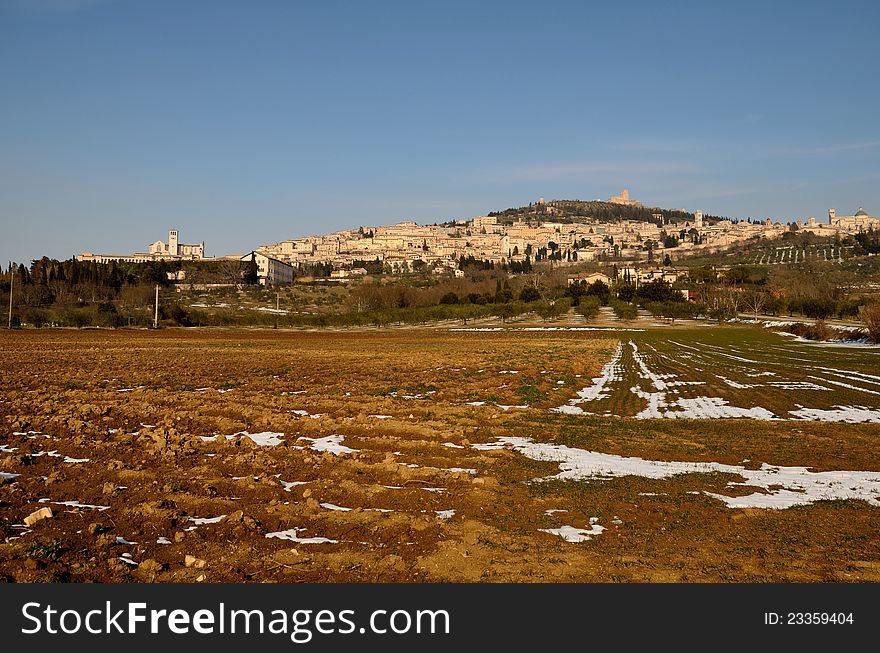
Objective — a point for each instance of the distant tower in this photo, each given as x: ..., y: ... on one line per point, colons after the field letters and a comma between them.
x: 540, y: 200
x: 832, y: 213
x: 172, y: 242
x: 698, y: 219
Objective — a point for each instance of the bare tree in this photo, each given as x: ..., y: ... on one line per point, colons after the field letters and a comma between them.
x: 754, y: 301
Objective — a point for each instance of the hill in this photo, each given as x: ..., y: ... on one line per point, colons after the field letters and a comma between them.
x: 578, y: 210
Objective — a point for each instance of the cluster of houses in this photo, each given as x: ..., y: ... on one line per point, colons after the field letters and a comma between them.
x: 408, y: 246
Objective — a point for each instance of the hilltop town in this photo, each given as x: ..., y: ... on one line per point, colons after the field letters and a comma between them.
x: 563, y: 231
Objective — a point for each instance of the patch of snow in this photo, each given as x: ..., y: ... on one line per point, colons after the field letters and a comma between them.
x: 791, y: 486
x: 846, y: 385
x: 797, y: 385
x: 290, y: 484
x: 163, y: 540
x: 452, y: 445
x: 333, y: 506
x: 445, y: 514
x: 305, y: 413
x: 52, y: 454
x: 570, y: 410
x: 330, y: 444
x: 8, y: 475
x: 265, y: 439
x: 853, y: 376
x: 848, y: 414
x: 292, y: 535
x: 68, y: 459
x: 200, y: 521
x: 75, y: 504
x: 381, y: 416
x: 572, y: 534
x: 611, y: 371
x: 466, y: 470
x: 552, y: 511
x: 122, y: 540
x: 738, y: 386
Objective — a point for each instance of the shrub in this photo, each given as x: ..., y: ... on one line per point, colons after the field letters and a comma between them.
x: 625, y: 311
x: 870, y: 315
x: 589, y: 307
x: 529, y: 294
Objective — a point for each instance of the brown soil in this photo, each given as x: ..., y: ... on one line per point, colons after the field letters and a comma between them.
x: 135, y: 403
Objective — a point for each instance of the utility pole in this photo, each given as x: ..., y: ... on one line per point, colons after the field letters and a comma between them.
x: 156, y: 312
x: 11, y: 283
x: 277, y: 303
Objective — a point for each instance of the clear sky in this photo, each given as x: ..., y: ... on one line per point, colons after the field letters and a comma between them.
x: 249, y: 122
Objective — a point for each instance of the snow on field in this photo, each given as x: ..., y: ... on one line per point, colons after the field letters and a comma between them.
x: 738, y: 386
x: 571, y: 410
x: 8, y: 475
x: 572, y: 534
x: 333, y: 506
x: 668, y: 395
x: 849, y: 414
x: 200, y: 521
x: 304, y: 413
x: 75, y: 504
x: 853, y: 376
x: 611, y: 371
x: 847, y: 385
x: 292, y: 535
x: 797, y: 385
x: 783, y: 487
x: 291, y: 484
x: 265, y: 439
x: 445, y: 514
x: 696, y: 408
x: 330, y: 444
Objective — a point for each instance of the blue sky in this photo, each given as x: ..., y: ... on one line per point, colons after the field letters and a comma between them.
x: 245, y: 123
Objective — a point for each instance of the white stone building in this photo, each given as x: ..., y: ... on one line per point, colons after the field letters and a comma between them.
x: 270, y: 271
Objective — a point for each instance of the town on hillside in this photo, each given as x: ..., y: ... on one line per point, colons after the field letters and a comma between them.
x: 544, y: 231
